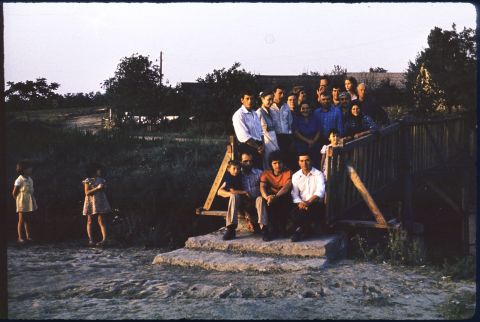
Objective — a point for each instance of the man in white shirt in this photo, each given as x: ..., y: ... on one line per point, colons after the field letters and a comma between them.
x: 248, y: 129
x: 308, y: 190
x: 282, y: 120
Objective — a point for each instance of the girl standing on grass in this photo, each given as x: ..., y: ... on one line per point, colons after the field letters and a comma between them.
x: 25, y: 201
x: 96, y: 203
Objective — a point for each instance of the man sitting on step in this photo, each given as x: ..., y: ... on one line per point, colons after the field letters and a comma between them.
x: 308, y: 190
x: 249, y: 203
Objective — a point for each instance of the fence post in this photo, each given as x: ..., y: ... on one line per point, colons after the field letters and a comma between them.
x: 406, y: 173
x: 331, y: 185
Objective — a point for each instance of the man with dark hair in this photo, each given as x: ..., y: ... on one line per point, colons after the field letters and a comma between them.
x: 329, y: 117
x: 275, y: 186
x: 248, y: 203
x: 308, y: 190
x: 282, y: 120
x: 323, y: 85
x: 335, y: 94
x: 344, y: 103
x: 370, y: 107
x: 248, y: 129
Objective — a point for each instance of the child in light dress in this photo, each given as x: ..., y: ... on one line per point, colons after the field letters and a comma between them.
x: 25, y: 201
x: 96, y: 203
x: 326, y: 150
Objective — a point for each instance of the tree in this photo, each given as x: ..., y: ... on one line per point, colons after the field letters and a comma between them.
x: 31, y: 94
x: 221, y: 94
x: 338, y: 71
x: 135, y: 87
x: 377, y: 70
x: 450, y: 60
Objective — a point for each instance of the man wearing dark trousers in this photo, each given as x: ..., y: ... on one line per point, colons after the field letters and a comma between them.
x: 308, y: 190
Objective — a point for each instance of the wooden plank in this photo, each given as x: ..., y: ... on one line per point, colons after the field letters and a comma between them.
x: 361, y: 223
x: 218, y: 213
x: 218, y: 179
x: 366, y: 196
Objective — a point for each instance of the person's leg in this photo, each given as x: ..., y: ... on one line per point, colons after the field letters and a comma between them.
x: 89, y: 229
x: 312, y: 216
x: 261, y: 206
x: 284, y: 205
x: 234, y: 204
x: 296, y: 216
x: 263, y: 219
x: 20, y: 226
x: 103, y: 228
x: 26, y: 225
x: 231, y: 219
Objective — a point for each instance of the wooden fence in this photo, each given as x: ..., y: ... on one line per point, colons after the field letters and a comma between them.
x: 368, y: 165
x: 389, y: 157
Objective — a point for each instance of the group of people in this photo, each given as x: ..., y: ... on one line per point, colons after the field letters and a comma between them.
x: 95, y: 204
x: 273, y: 135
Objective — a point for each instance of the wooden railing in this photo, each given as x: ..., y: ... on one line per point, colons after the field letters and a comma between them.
x: 364, y: 167
x: 388, y: 157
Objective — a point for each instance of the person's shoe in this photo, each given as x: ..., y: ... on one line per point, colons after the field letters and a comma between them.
x: 91, y: 243
x: 101, y: 243
x: 20, y: 241
x: 265, y: 234
x: 297, y: 235
x: 229, y: 234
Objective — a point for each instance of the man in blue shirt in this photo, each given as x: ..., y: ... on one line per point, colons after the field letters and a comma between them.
x: 329, y: 117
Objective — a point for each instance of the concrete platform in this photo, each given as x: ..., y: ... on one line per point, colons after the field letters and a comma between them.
x: 236, y: 262
x: 327, y: 246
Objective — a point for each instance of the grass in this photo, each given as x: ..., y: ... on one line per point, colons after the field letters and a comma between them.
x: 154, y: 186
x: 459, y: 307
x: 393, y: 246
x: 52, y: 115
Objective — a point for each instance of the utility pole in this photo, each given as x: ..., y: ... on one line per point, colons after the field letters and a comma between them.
x: 161, y: 63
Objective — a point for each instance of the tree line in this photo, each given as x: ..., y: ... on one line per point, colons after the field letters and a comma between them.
x: 442, y: 78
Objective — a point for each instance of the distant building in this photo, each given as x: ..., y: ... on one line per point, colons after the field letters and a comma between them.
x: 308, y: 81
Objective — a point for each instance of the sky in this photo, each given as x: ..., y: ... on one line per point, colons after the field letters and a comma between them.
x: 79, y: 45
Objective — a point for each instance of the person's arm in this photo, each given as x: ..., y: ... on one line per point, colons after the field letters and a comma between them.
x: 319, y: 190
x: 285, y: 189
x: 90, y: 191
x: 257, y: 146
x: 360, y: 134
x: 222, y: 192
x: 16, y: 191
x: 299, y: 136
x: 316, y: 138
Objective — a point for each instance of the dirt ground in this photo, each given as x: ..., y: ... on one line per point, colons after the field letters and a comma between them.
x: 71, y: 281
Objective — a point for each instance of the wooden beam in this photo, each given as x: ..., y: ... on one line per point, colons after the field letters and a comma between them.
x: 218, y: 213
x: 361, y: 223
x: 218, y: 179
x: 366, y: 196
x: 444, y: 196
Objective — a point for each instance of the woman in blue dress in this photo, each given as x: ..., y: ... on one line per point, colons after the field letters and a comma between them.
x: 306, y: 131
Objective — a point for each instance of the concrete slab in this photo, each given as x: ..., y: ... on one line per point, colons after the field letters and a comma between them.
x: 328, y: 246
x: 236, y: 262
